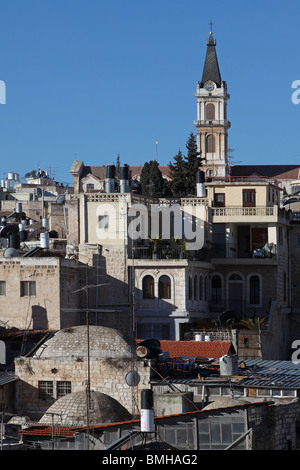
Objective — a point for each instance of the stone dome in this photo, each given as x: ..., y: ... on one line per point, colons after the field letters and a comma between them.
x: 72, y: 341
x: 224, y: 402
x: 71, y: 410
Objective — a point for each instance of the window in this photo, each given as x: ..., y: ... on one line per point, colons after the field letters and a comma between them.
x: 103, y: 221
x: 200, y: 288
x: 148, y: 287
x: 210, y: 144
x: 28, y: 289
x: 219, y: 200
x: 89, y: 186
x: 2, y: 288
x: 45, y: 389
x: 62, y: 389
x: 164, y: 287
x: 210, y: 111
x: 153, y: 330
x: 216, y: 293
x: 190, y: 287
x: 254, y: 298
x: 248, y: 197
x: 195, y: 287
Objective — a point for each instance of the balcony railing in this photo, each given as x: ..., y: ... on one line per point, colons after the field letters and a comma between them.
x: 244, y: 211
x: 236, y: 250
x: 168, y: 253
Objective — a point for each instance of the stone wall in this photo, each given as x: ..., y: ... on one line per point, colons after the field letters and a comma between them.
x: 107, y: 376
x: 42, y: 310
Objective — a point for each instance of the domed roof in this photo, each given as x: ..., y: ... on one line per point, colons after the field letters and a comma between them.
x: 73, y: 341
x: 71, y: 410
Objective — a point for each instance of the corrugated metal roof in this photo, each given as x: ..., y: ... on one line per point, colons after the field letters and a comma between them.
x: 273, y: 373
x: 7, y: 377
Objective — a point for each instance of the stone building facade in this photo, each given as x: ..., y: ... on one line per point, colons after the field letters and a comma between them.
x: 39, y: 292
x: 72, y: 357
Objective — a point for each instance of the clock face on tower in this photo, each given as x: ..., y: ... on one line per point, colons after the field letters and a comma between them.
x: 209, y: 86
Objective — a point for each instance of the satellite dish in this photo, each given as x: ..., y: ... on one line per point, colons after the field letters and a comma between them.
x: 10, y: 253
x: 132, y: 378
x: 60, y: 199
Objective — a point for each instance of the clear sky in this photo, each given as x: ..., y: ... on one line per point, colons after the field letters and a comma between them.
x: 91, y: 79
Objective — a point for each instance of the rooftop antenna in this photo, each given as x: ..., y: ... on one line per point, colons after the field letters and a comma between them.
x: 156, y: 149
x: 210, y: 26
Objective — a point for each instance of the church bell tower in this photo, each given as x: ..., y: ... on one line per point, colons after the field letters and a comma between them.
x: 212, y: 124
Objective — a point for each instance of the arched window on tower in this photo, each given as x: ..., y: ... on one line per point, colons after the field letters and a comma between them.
x: 210, y: 144
x: 164, y: 287
x: 148, y: 287
x: 216, y: 290
x: 254, y: 293
x: 210, y: 111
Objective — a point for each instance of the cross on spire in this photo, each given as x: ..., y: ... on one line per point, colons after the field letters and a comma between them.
x: 211, y: 25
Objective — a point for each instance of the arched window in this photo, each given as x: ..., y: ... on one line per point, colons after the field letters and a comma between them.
x: 190, y: 287
x: 196, y: 287
x: 210, y: 111
x: 200, y: 288
x: 235, y: 277
x: 148, y: 287
x: 164, y: 287
x: 216, y: 290
x: 254, y: 292
x: 210, y: 144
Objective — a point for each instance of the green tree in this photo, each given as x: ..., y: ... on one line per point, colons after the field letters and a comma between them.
x: 192, y: 164
x: 177, y: 173
x: 183, y: 169
x: 151, y: 180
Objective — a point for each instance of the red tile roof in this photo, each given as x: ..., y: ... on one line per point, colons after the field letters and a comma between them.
x: 207, y: 349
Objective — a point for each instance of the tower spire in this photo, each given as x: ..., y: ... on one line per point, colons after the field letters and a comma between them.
x: 211, y: 69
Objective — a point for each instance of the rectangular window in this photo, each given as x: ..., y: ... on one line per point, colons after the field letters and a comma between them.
x: 103, y: 221
x: 63, y: 388
x: 2, y: 288
x: 27, y: 289
x: 248, y: 197
x: 298, y: 241
x: 219, y: 199
x: 45, y: 390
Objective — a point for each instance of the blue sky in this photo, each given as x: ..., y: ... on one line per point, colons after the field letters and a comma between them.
x: 91, y: 79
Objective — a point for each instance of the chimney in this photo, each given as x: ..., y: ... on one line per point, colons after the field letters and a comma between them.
x: 200, y: 180
x: 110, y: 179
x: 124, y: 179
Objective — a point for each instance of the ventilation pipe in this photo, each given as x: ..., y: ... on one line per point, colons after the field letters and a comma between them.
x: 124, y: 179
x: 147, y: 415
x: 200, y: 180
x: 19, y: 208
x: 110, y: 179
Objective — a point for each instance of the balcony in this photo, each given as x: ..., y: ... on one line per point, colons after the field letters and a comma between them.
x: 168, y: 252
x: 237, y: 251
x: 253, y: 214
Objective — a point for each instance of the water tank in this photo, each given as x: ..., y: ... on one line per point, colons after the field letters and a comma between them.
x: 44, y: 238
x: 45, y: 223
x: 200, y: 337
x: 14, y: 240
x: 23, y: 235
x: 19, y: 207
x: 228, y: 365
x: 147, y: 414
x: 10, y: 176
x: 208, y: 338
x: 110, y: 171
